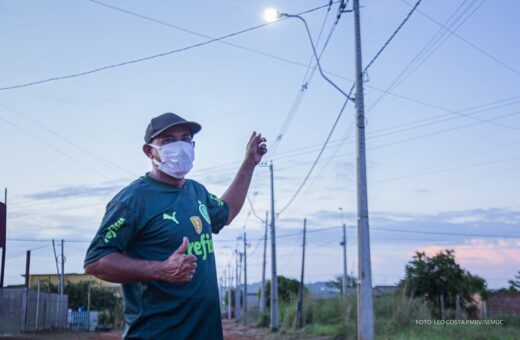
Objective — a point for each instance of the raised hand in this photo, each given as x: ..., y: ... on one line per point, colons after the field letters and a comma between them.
x: 256, y: 148
x: 179, y: 267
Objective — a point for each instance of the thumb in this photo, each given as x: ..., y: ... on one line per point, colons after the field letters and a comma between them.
x: 182, y: 249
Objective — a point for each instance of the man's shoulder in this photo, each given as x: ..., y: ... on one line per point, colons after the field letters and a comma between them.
x: 196, y: 186
x: 130, y: 193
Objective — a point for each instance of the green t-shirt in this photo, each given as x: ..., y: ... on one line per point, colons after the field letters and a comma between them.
x: 148, y: 220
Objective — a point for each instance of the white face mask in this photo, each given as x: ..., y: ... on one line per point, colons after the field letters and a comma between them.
x: 176, y: 158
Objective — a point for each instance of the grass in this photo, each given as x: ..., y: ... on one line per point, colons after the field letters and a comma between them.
x: 395, y: 318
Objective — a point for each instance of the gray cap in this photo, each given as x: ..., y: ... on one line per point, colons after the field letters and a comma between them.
x: 166, y: 121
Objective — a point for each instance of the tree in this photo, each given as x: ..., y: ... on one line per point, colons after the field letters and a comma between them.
x: 287, y: 290
x: 47, y: 287
x: 431, y: 277
x: 515, y: 284
x: 338, y: 282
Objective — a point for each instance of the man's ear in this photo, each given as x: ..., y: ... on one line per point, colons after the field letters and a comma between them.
x: 193, y: 143
x: 147, y: 149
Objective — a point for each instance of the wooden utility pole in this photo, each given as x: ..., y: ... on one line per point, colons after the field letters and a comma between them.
x: 3, y: 236
x: 27, y: 268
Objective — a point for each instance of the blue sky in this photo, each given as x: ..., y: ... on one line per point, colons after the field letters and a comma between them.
x: 442, y: 144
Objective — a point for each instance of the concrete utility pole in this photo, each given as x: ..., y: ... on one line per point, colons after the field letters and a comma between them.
x: 364, y: 297
x: 274, y: 275
x: 345, y: 273
x: 237, y: 285
x: 62, y: 281
x: 299, y: 311
x: 244, y: 304
x: 262, y: 288
x: 229, y: 292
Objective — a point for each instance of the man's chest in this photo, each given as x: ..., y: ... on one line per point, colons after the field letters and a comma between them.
x: 171, y: 218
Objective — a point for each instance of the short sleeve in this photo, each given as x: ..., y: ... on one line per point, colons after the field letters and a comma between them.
x: 218, y: 212
x: 115, y: 234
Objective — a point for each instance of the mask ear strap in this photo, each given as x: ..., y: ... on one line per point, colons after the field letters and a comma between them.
x: 154, y: 161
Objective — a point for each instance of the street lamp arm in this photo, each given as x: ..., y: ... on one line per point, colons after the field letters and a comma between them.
x: 315, y: 53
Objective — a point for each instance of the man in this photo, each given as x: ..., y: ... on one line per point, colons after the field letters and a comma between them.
x: 155, y: 237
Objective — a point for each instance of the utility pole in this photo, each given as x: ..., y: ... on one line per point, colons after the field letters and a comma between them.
x: 26, y: 293
x: 3, y: 236
x: 89, y: 293
x: 62, y: 281
x: 245, y: 280
x: 238, y: 288
x: 27, y: 268
x: 229, y: 292
x: 57, y: 268
x: 364, y: 297
x: 345, y: 272
x: 299, y: 311
x: 274, y: 277
x: 262, y: 288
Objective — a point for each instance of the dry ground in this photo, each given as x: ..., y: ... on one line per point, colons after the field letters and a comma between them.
x: 232, y: 331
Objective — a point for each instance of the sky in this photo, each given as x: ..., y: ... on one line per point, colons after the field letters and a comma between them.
x: 442, y: 126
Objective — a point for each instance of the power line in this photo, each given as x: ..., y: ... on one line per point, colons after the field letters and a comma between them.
x: 155, y: 56
x: 67, y: 140
x: 346, y: 101
x: 320, y: 153
x: 326, y: 229
x: 24, y: 252
x: 304, y: 86
x: 7, y: 121
x: 437, y: 43
x: 299, y: 97
x: 432, y: 45
x: 473, y: 45
x: 406, y: 140
x: 182, y: 29
x: 392, y: 36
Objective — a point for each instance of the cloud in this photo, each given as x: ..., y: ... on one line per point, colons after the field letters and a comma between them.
x: 488, y: 255
x: 75, y: 191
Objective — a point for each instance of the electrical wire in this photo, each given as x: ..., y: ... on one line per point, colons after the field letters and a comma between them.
x: 25, y: 252
x: 320, y: 153
x: 326, y: 229
x: 473, y: 45
x: 348, y: 96
x: 301, y: 94
x: 94, y: 155
x: 44, y: 142
x: 182, y: 29
x: 426, y: 51
x: 150, y: 57
x: 392, y: 36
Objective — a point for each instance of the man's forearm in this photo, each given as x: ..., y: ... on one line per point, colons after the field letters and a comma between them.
x: 118, y: 268
x: 236, y: 193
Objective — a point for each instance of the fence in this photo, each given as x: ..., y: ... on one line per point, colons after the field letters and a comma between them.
x: 23, y: 310
x: 83, y: 321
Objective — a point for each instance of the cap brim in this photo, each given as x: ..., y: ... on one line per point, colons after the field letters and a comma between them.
x: 194, y: 127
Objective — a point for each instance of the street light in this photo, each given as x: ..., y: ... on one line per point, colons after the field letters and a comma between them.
x: 364, y: 297
x: 271, y: 15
